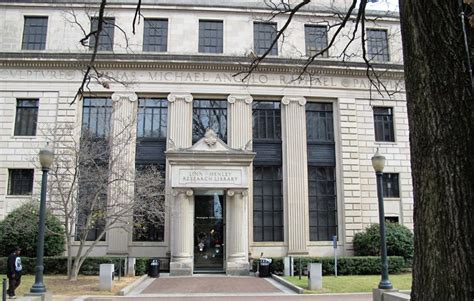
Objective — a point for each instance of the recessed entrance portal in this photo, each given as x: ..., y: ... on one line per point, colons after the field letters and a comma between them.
x: 209, y: 233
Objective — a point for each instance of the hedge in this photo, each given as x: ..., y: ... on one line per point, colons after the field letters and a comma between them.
x: 354, y: 265
x: 58, y: 265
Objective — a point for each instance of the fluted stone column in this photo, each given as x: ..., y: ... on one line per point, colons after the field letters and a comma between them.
x: 295, y: 170
x: 237, y: 262
x: 180, y: 120
x: 182, y: 229
x: 240, y: 120
x: 122, y: 169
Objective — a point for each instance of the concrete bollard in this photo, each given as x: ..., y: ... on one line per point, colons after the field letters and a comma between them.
x: 131, y: 266
x: 315, y: 276
x: 287, y: 266
x: 105, y: 276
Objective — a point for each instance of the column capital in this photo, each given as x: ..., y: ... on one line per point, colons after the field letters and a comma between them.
x: 172, y: 97
x: 176, y: 191
x: 286, y: 100
x: 247, y: 98
x: 130, y: 96
x: 233, y: 192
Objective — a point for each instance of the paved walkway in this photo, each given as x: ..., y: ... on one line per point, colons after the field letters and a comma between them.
x: 220, y: 288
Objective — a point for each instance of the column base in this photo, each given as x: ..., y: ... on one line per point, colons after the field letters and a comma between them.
x: 237, y: 268
x: 181, y: 268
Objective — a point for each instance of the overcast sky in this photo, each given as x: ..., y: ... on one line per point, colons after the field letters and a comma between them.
x: 390, y: 5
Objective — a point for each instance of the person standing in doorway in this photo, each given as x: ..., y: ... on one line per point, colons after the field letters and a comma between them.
x: 14, y: 272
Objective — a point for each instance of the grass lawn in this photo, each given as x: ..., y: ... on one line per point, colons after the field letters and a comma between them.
x: 352, y: 284
x: 60, y: 286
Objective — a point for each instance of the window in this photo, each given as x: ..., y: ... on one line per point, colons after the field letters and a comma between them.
x: 155, y: 35
x: 377, y: 45
x: 152, y: 118
x: 149, y: 215
x: 34, y: 33
x: 322, y: 203
x: 210, y: 36
x: 316, y: 39
x: 390, y: 185
x: 106, y: 36
x: 20, y: 181
x: 96, y: 114
x: 209, y: 114
x: 26, y: 117
x: 266, y: 120
x: 321, y: 171
x: 383, y: 124
x: 392, y: 219
x: 267, y: 203
x: 263, y: 36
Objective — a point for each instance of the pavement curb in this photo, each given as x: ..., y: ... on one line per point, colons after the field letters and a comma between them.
x: 126, y: 290
x: 288, y: 284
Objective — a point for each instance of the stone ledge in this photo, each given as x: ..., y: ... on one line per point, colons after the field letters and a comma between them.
x: 126, y: 290
x: 288, y: 284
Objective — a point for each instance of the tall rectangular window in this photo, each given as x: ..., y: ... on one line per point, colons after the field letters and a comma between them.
x: 20, y: 181
x: 106, y: 35
x: 383, y: 124
x: 390, y: 185
x: 209, y: 114
x: 321, y: 171
x: 152, y: 118
x: 96, y: 114
x: 26, y: 117
x: 34, y: 33
x: 263, y: 36
x: 377, y: 45
x: 155, y: 35
x: 210, y: 36
x: 316, y: 38
x: 267, y: 172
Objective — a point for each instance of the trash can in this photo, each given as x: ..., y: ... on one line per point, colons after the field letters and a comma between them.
x: 154, y: 268
x: 264, y: 265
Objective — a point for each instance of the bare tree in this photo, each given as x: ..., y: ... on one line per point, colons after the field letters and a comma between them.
x: 80, y: 181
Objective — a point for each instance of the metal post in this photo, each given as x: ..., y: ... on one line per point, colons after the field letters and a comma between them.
x: 4, y: 290
x: 38, y: 286
x: 384, y: 282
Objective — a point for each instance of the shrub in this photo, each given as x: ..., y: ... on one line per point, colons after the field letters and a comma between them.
x: 20, y: 228
x: 399, y: 241
x: 367, y: 265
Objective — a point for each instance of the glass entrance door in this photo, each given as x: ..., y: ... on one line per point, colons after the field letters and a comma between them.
x: 209, y: 233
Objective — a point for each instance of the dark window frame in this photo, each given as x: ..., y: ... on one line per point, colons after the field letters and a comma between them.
x: 316, y: 39
x: 383, y: 124
x: 90, y: 107
x: 211, y: 36
x: 217, y: 112
x: 377, y: 45
x: 106, y: 36
x: 34, y: 34
x: 155, y: 36
x: 20, y: 181
x: 270, y: 130
x: 152, y: 107
x: 269, y: 211
x: 26, y: 113
x: 264, y: 33
x: 391, y: 185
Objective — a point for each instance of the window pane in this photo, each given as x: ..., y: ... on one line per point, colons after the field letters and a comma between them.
x: 316, y: 39
x: 263, y: 36
x: 209, y: 114
x: 210, y: 36
x: 34, y: 33
x: 391, y: 185
x: 266, y: 121
x: 383, y: 124
x: 96, y: 113
x: 152, y: 118
x: 377, y: 45
x: 155, y: 35
x: 20, y: 181
x: 106, y: 36
x: 26, y: 117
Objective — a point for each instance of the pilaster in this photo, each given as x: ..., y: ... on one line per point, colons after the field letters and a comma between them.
x: 237, y: 232
x: 295, y: 170
x: 180, y: 120
x: 122, y: 169
x: 182, y: 229
x: 240, y: 120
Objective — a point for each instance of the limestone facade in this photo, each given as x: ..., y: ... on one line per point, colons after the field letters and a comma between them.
x: 181, y: 76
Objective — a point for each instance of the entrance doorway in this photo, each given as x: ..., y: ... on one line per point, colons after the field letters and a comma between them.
x: 209, y: 233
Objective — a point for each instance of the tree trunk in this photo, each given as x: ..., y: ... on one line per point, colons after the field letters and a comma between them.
x: 441, y: 119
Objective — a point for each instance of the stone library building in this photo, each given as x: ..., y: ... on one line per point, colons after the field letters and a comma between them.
x: 273, y: 162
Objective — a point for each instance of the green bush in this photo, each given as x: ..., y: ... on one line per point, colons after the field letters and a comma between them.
x: 399, y: 241
x: 20, y: 228
x: 366, y: 265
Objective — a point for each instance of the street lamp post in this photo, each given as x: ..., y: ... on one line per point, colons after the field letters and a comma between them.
x: 46, y: 156
x: 378, y: 163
